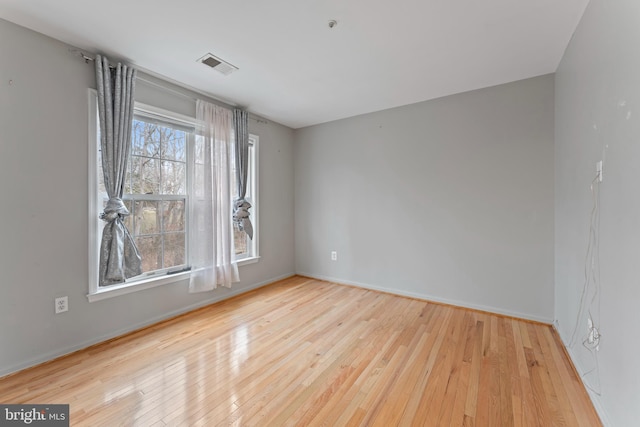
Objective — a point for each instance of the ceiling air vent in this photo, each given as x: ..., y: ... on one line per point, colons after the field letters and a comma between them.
x: 218, y: 64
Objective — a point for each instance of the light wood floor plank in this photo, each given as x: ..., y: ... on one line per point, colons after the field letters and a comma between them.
x: 304, y: 352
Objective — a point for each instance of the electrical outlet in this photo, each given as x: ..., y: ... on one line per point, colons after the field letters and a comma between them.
x: 62, y: 305
x: 334, y: 255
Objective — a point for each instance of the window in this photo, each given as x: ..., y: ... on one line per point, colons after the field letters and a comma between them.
x: 156, y: 193
x: 157, y: 197
x: 246, y: 248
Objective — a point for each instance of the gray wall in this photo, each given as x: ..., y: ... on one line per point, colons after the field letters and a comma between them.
x: 43, y: 220
x: 598, y: 117
x: 450, y: 200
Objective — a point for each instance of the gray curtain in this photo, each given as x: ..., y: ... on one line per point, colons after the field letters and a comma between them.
x: 119, y: 256
x: 241, y: 206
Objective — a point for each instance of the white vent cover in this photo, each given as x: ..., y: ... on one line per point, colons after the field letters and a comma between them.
x: 218, y: 64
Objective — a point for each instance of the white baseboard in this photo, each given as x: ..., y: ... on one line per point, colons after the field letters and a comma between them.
x: 426, y: 297
x: 595, y: 399
x: 68, y: 350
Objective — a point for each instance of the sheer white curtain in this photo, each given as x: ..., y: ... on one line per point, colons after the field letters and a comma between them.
x: 211, y: 227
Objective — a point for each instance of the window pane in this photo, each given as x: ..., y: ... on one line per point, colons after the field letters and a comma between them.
x: 239, y: 240
x: 150, y: 248
x: 145, y: 175
x: 173, y: 215
x: 173, y: 144
x: 147, y: 217
x: 173, y: 178
x: 174, y: 244
x: 145, y: 139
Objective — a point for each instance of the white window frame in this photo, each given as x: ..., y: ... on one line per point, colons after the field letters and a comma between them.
x: 96, y: 292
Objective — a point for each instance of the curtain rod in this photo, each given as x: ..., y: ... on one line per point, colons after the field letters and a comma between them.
x: 88, y: 58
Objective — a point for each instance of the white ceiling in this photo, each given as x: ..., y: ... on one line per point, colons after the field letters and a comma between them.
x: 295, y: 70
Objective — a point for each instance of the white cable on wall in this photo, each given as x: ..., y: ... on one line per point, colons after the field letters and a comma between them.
x: 591, y: 286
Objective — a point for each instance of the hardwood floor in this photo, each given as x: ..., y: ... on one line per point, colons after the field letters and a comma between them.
x: 305, y: 352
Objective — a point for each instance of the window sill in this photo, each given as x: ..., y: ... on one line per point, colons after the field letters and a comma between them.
x: 151, y: 282
x: 246, y: 261
x: 127, y: 288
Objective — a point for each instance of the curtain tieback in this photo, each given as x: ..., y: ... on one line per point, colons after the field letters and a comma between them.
x: 115, y: 209
x: 241, y: 216
x: 240, y: 210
